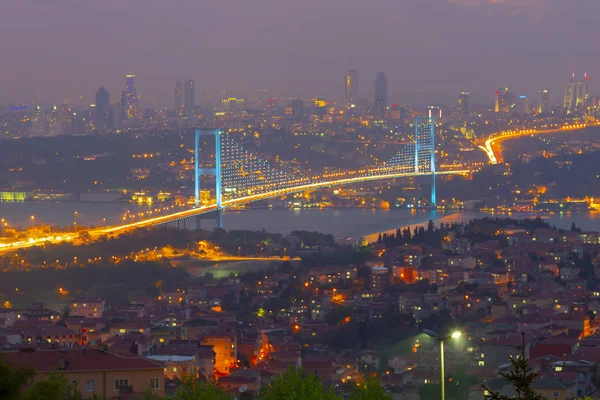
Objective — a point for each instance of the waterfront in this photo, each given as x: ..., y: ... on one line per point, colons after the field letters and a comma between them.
x: 341, y: 223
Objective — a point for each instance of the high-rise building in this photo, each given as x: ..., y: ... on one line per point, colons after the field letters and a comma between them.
x: 381, y: 96
x: 502, y: 105
x: 544, y: 106
x: 232, y: 104
x: 570, y: 93
x: 189, y: 97
x: 54, y: 122
x: 352, y: 93
x: 130, y: 99
x: 297, y: 108
x: 101, y: 111
x: 463, y: 105
x: 38, y: 122
x: 524, y: 105
x: 582, y: 92
x: 434, y: 112
x: 178, y: 94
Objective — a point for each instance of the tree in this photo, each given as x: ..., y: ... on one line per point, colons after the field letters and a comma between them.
x: 371, y: 390
x: 11, y: 380
x: 293, y: 385
x: 521, y: 376
x: 195, y: 389
x: 56, y: 387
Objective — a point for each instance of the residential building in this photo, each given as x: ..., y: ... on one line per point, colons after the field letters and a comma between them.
x: 93, y: 372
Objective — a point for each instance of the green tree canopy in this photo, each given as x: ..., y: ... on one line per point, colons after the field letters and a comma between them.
x: 371, y: 390
x: 11, y: 380
x: 56, y: 387
x: 196, y: 389
x: 293, y: 385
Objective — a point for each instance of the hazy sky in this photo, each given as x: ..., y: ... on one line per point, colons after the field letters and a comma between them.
x: 429, y: 49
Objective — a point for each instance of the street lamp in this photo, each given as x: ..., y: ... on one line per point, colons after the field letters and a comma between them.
x: 439, y: 338
x: 32, y: 218
x: 2, y: 223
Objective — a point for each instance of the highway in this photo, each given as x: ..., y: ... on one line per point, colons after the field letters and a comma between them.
x: 488, y: 148
x: 176, y: 216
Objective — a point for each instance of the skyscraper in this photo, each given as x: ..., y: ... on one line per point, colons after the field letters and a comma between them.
x: 297, y: 108
x: 570, y: 94
x: 178, y: 97
x: 582, y: 92
x: 101, y: 111
x: 502, y: 105
x: 463, y: 105
x: 129, y: 99
x: 189, y: 97
x: 352, y: 93
x: 524, y: 105
x: 54, y: 122
x: 381, y: 96
x: 544, y: 106
x: 38, y: 122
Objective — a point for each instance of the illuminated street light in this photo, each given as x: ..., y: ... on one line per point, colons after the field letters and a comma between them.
x: 439, y: 338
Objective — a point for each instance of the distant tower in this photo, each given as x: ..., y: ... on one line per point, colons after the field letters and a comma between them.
x: 178, y: 97
x: 582, y: 92
x: 570, y: 94
x: 381, y: 96
x: 101, y: 116
x: 544, y: 107
x: 298, y: 109
x: 352, y: 92
x: 38, y: 122
x: 129, y: 99
x: 502, y: 104
x: 189, y: 97
x: 524, y: 105
x: 463, y: 105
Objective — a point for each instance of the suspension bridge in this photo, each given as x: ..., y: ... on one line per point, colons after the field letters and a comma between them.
x: 243, y: 177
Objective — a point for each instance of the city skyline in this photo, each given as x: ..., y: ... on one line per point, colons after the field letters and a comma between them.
x: 441, y: 63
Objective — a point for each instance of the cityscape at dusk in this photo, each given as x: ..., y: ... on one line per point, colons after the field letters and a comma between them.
x: 387, y: 200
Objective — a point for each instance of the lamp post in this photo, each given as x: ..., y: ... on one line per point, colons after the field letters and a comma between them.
x: 440, y: 338
x: 75, y: 221
x: 2, y: 222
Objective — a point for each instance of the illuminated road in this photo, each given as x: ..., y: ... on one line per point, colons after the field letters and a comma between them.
x: 488, y: 149
x: 177, y: 216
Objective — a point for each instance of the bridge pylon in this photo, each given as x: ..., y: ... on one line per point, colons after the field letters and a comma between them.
x: 216, y: 171
x: 425, y: 146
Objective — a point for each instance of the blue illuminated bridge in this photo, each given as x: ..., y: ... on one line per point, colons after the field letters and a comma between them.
x: 242, y: 177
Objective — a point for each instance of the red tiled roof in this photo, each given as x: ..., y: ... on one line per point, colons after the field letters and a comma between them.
x: 79, y: 360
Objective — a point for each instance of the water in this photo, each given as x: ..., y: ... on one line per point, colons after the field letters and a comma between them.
x: 341, y: 223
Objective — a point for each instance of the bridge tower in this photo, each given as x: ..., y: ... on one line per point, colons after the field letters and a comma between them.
x: 216, y: 171
x: 433, y: 189
x: 424, y: 143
